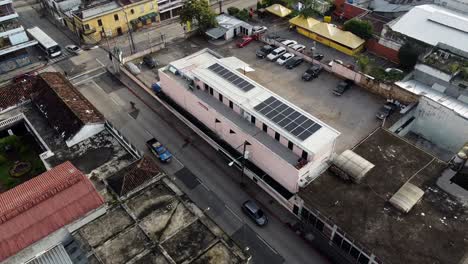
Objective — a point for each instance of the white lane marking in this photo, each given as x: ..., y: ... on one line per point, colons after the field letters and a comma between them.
x: 90, y: 78
x: 236, y: 215
x: 102, y: 64
x: 86, y: 72
x: 115, y: 102
x: 147, y: 132
x: 264, y: 242
x: 204, y: 185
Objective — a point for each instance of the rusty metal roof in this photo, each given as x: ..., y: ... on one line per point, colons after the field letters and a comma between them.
x: 42, y: 205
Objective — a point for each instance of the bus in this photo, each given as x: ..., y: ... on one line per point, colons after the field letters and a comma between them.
x: 46, y: 43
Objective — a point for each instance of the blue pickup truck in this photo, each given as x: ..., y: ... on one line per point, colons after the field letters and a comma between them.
x: 159, y: 150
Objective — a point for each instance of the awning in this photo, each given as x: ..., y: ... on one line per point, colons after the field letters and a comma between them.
x: 306, y: 23
x: 216, y: 33
x: 332, y: 32
x: 278, y: 10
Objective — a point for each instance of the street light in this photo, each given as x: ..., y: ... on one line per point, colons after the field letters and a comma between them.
x: 245, y: 156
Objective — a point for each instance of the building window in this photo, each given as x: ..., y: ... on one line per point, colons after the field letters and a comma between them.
x: 86, y: 27
x: 290, y: 145
x: 142, y: 9
x: 99, y: 22
x: 231, y: 105
x: 176, y: 11
x: 220, y: 96
x: 304, y: 154
x: 132, y: 11
x: 151, y: 6
x: 265, y: 128
x: 277, y: 136
x: 252, y: 119
x: 164, y: 16
x: 211, y: 91
x: 116, y: 17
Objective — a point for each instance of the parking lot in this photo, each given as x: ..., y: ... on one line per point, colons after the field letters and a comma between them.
x: 353, y: 113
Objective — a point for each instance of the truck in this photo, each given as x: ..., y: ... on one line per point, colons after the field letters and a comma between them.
x: 159, y: 150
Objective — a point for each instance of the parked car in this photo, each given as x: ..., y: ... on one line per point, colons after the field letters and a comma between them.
x: 312, y: 72
x: 251, y: 209
x: 133, y: 68
x: 386, y: 110
x: 149, y: 61
x: 245, y: 41
x: 264, y: 51
x: 284, y: 58
x: 259, y: 29
x: 342, y: 87
x: 289, y: 43
x: 159, y: 150
x: 73, y: 49
x: 275, y: 54
x: 393, y: 70
x: 294, y: 62
x: 318, y: 56
x: 298, y: 47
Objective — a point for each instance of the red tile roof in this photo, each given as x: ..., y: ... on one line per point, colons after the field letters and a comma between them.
x: 42, y: 205
x: 15, y: 94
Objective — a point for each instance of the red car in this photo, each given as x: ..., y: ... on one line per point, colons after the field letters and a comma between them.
x: 245, y: 41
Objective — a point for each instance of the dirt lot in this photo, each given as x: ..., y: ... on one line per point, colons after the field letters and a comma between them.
x: 353, y: 113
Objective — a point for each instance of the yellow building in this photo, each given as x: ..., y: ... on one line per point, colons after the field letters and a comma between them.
x: 328, y: 34
x: 111, y: 18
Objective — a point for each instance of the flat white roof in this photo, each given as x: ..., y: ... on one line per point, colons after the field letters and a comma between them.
x: 228, y: 22
x: 433, y: 24
x: 196, y: 66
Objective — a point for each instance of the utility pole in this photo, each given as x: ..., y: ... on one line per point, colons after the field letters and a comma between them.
x: 220, y: 2
x: 244, y: 157
x: 130, y: 34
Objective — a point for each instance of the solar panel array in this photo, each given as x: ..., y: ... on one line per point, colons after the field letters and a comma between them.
x: 231, y: 77
x: 286, y: 117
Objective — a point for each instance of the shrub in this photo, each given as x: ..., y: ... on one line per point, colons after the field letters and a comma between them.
x: 243, y: 15
x: 408, y: 56
x: 232, y: 10
x: 360, y: 28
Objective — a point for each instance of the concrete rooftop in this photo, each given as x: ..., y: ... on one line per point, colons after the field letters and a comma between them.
x: 434, y: 231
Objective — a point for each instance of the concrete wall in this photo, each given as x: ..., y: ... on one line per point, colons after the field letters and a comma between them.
x: 85, y: 132
x: 440, y: 125
x: 280, y: 170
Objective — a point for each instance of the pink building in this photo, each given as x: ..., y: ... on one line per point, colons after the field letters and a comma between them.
x: 289, y: 145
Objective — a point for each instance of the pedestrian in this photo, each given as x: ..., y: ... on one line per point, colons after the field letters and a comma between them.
x: 132, y: 104
x: 66, y: 74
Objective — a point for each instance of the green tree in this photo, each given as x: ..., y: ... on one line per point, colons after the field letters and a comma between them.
x: 364, y: 63
x: 232, y: 10
x: 408, y: 56
x: 360, y: 28
x: 200, y: 12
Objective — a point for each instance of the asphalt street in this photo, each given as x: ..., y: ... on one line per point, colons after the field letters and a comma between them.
x: 198, y: 169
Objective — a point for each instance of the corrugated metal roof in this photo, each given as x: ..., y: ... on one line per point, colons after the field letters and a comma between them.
x: 440, y: 26
x: 406, y: 197
x: 354, y: 165
x: 42, y: 205
x: 56, y: 255
x: 419, y: 88
x: 279, y: 10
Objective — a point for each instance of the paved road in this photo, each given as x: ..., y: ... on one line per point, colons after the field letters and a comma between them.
x: 197, y: 168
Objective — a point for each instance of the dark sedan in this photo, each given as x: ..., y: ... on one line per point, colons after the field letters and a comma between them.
x: 264, y: 51
x: 342, y: 87
x: 252, y: 210
x: 386, y: 110
x: 312, y: 72
x: 294, y: 62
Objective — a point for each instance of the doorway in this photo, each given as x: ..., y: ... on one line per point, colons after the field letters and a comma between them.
x: 119, y: 31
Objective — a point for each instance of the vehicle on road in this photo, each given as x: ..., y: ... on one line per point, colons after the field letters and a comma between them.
x: 318, y: 56
x: 294, y: 62
x: 386, y: 110
x: 133, y: 68
x: 46, y: 43
x: 264, y: 51
x: 259, y: 30
x: 251, y: 209
x: 73, y: 49
x: 149, y: 61
x: 245, y: 41
x: 159, y: 150
x: 342, y: 87
x: 284, y: 58
x: 298, y: 47
x: 275, y: 54
x: 289, y: 43
x: 312, y: 73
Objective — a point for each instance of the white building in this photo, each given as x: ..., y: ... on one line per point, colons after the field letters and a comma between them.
x: 13, y: 39
x: 229, y: 27
x: 288, y: 145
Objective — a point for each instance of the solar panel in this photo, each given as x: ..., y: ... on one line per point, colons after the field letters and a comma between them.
x: 231, y: 77
x: 289, y: 119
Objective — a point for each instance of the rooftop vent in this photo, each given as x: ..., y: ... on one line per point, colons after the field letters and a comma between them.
x: 350, y: 166
x: 406, y: 197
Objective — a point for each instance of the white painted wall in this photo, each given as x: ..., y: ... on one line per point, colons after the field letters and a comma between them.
x: 85, y: 132
x: 440, y: 125
x: 283, y: 172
